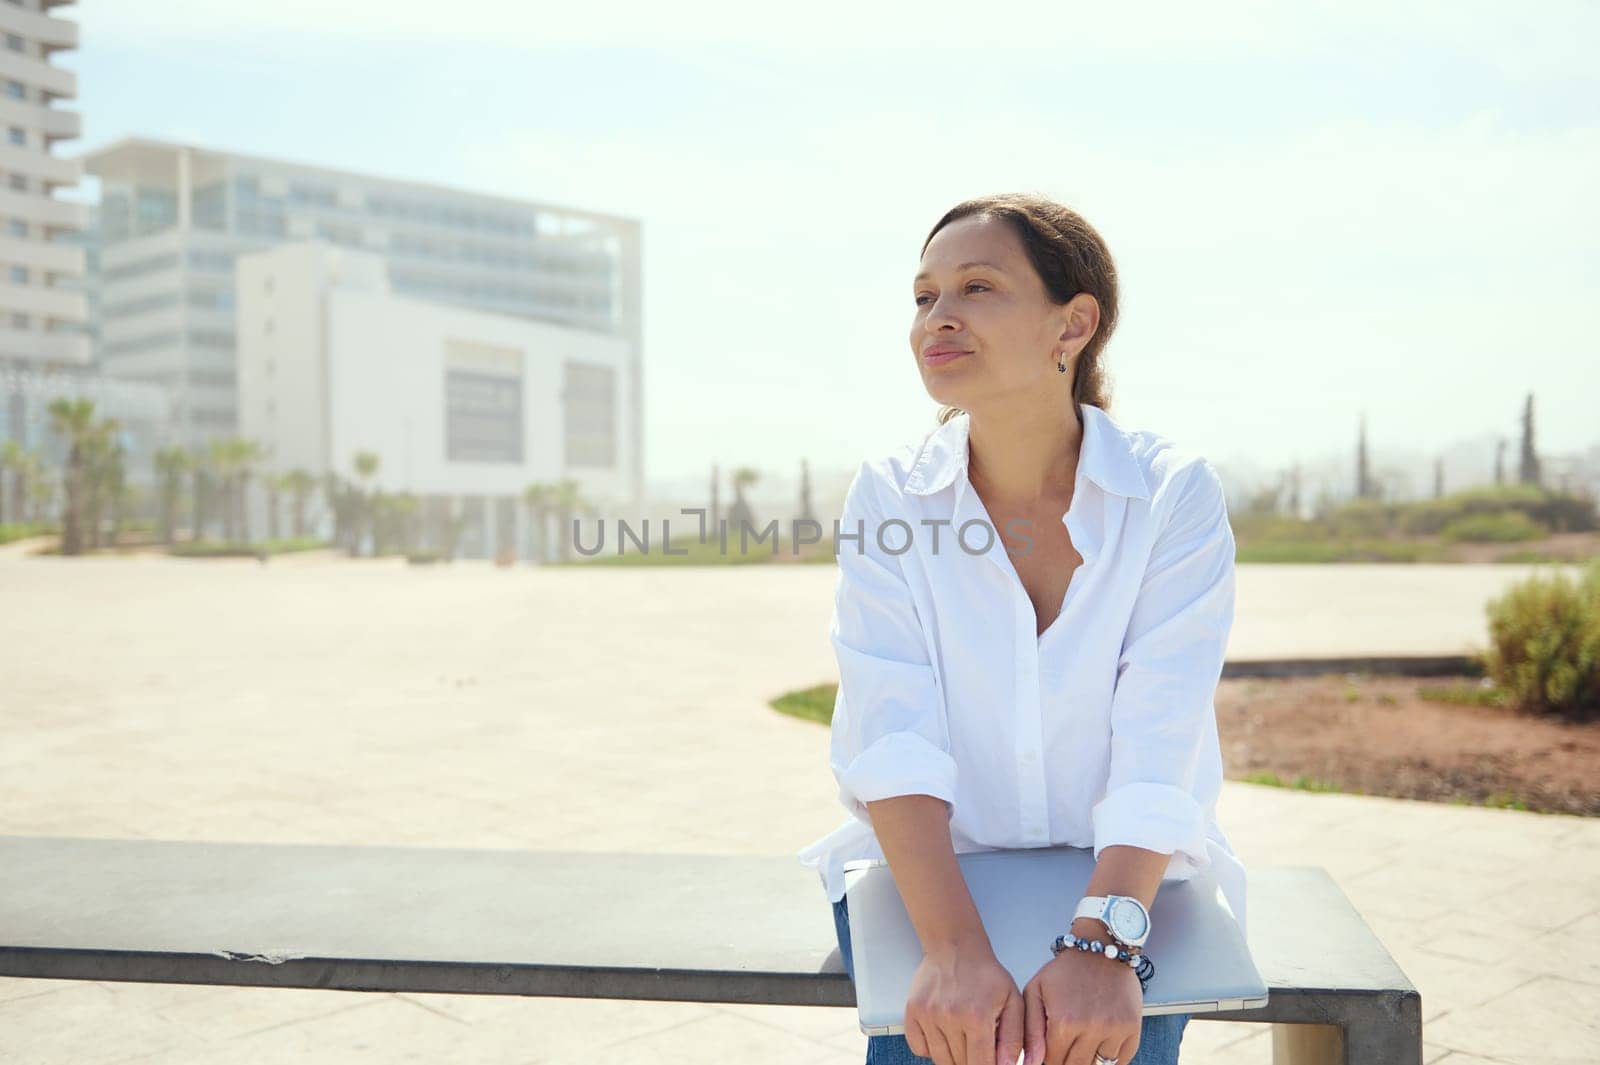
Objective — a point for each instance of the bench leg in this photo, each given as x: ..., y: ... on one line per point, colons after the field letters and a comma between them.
x: 1307, y: 1044
x: 1360, y: 1044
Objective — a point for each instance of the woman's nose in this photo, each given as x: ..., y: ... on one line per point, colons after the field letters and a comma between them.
x: 941, y: 314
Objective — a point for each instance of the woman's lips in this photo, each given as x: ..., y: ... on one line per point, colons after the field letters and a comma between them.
x: 944, y: 356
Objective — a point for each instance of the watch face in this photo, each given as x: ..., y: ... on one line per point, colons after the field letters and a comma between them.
x: 1128, y: 920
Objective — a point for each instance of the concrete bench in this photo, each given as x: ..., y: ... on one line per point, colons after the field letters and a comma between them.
x: 682, y: 927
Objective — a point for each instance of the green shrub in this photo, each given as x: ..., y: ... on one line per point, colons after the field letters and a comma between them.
x: 1465, y: 693
x: 1544, y: 644
x: 812, y: 704
x: 23, y: 530
x: 1560, y: 511
x: 1368, y: 550
x: 1361, y: 518
x: 219, y: 549
x: 1503, y: 527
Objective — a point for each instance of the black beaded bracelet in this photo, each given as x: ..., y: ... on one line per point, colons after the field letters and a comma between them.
x: 1141, y: 965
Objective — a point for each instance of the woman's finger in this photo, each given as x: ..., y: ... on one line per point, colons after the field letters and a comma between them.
x: 939, y: 1047
x: 915, y: 1039
x: 1111, y: 1048
x: 980, y: 1044
x: 1009, y: 1040
x: 1033, y: 1024
x: 1058, y: 1041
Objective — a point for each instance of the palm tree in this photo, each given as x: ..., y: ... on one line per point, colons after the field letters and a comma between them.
x: 537, y: 498
x: 247, y: 455
x: 338, y: 493
x: 41, y: 492
x: 743, y: 478
x: 220, y: 457
x: 299, y: 484
x: 403, y: 510
x: 73, y: 419
x: 200, y: 465
x: 366, y: 466
x: 383, y: 522
x: 26, y: 468
x: 275, y: 484
x: 171, y: 464
x: 11, y: 459
x: 567, y: 501
x: 104, y: 480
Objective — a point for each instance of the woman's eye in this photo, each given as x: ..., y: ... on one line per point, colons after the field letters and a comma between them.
x: 969, y: 286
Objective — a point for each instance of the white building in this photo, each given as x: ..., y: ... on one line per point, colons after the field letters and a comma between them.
x: 173, y: 218
x: 464, y: 408
x: 42, y: 316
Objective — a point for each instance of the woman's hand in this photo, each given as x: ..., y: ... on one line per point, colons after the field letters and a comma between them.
x: 1078, y: 1005
x: 964, y: 1008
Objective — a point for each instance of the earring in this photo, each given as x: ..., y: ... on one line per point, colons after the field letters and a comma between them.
x: 1061, y: 367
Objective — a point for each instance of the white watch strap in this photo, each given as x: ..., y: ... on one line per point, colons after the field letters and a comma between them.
x: 1094, y: 906
x: 1099, y: 907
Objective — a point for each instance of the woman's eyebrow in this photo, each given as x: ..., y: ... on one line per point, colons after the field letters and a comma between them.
x: 964, y: 266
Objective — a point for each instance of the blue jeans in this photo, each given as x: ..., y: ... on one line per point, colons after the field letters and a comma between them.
x: 1158, y: 1037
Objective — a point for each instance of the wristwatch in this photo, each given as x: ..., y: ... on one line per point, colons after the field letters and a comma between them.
x: 1124, y: 915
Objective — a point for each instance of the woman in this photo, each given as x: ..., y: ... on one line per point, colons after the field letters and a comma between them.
x: 1030, y: 618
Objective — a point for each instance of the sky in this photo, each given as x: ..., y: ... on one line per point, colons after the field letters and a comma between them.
x: 1317, y: 211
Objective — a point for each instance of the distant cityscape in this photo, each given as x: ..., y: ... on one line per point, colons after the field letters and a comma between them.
x: 471, y: 348
x: 473, y: 344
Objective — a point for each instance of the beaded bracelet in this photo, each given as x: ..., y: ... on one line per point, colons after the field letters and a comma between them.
x: 1141, y: 965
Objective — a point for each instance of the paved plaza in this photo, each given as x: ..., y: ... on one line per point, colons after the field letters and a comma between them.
x: 324, y: 700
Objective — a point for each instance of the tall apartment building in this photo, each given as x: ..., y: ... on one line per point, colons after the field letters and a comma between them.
x: 42, y: 314
x: 173, y: 219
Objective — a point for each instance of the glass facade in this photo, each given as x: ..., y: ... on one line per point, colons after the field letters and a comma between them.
x: 167, y: 294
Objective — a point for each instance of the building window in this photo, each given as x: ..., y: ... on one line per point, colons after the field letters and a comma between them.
x: 589, y: 392
x: 211, y: 299
x: 15, y: 89
x: 19, y: 321
x: 19, y: 275
x: 17, y: 227
x: 211, y: 338
x: 18, y: 182
x: 17, y: 135
x: 212, y: 378
x: 213, y: 261
x: 14, y: 42
x: 483, y: 417
x: 152, y: 342
x: 140, y: 306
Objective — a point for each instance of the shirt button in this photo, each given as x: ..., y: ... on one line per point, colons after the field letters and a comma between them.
x: 1028, y: 757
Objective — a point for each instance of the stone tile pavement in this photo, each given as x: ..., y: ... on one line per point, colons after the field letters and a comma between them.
x: 364, y: 702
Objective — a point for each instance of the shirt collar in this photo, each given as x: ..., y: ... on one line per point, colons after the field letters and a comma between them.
x: 1105, y: 456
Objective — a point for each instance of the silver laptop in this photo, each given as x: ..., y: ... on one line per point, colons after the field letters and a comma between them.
x: 1026, y: 899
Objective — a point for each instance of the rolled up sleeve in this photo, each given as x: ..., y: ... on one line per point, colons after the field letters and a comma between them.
x: 889, y: 735
x: 1165, y: 769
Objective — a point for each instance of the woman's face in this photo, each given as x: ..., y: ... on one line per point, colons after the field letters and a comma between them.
x: 976, y: 292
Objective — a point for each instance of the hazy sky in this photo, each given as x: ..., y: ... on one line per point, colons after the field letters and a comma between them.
x: 1315, y: 209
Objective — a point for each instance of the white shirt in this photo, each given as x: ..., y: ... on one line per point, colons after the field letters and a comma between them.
x: 1100, y: 731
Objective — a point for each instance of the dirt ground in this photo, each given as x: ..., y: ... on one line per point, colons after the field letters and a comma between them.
x: 1568, y: 547
x: 1378, y: 736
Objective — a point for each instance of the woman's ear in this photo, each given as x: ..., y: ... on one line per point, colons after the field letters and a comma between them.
x: 1082, y: 314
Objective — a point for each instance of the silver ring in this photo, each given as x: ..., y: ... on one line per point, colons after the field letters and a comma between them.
x: 1100, y: 1059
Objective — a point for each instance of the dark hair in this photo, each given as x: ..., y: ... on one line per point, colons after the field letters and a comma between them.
x: 1070, y: 257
